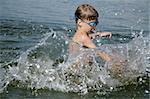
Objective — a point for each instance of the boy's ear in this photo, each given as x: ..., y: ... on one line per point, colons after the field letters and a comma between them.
x: 79, y: 22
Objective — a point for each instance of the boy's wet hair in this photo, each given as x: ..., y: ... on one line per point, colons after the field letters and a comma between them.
x: 86, y: 11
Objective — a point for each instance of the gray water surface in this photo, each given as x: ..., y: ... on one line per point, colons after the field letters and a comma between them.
x: 26, y: 27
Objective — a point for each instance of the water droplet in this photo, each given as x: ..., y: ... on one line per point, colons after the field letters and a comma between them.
x: 140, y: 79
x: 139, y: 10
x: 41, y: 25
x: 66, y: 42
x: 101, y: 85
x: 116, y: 14
x: 69, y: 30
x: 98, y: 41
x: 111, y: 88
x: 46, y: 71
x: 146, y: 91
x: 65, y: 28
x: 133, y: 9
x: 33, y: 28
x: 25, y: 71
x: 51, y: 78
x: 37, y: 65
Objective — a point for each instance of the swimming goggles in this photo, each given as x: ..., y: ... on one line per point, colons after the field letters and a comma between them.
x: 93, y: 24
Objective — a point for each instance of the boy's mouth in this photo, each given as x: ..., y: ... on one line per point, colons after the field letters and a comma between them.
x: 93, y: 31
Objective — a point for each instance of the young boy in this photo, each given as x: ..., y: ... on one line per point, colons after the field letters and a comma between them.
x: 86, y: 22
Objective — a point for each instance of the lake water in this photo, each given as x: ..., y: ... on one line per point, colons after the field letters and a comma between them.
x: 34, y: 35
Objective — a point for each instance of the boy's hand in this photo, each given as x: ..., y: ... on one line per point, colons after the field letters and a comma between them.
x: 104, y: 56
x: 105, y: 34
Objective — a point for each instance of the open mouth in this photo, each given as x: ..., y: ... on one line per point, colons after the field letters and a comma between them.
x: 93, y: 31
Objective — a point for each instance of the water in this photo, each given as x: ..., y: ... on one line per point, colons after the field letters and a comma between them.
x: 34, y: 63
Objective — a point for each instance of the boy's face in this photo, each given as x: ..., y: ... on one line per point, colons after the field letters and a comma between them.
x: 87, y: 25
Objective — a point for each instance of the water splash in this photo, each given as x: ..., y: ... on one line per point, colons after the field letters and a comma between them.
x: 36, y: 68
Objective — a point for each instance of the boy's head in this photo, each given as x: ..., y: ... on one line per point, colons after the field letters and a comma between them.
x: 86, y: 12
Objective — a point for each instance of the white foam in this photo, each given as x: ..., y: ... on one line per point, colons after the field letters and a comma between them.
x: 76, y: 75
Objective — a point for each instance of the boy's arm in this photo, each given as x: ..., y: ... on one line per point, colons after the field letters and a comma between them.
x: 104, y: 56
x: 101, y: 34
x: 105, y: 34
x: 88, y: 43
